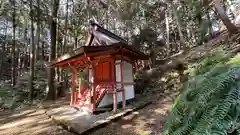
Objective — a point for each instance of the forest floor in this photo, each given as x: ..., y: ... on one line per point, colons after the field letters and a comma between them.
x: 35, y: 121
x: 146, y: 121
x: 31, y: 121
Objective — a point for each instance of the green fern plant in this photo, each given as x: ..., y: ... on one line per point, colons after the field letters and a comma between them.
x: 210, y: 101
x: 209, y: 61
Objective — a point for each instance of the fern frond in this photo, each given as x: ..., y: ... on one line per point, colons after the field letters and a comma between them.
x: 210, y: 102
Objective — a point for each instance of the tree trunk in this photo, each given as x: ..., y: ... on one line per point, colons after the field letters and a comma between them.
x: 232, y: 29
x: 42, y: 52
x: 76, y: 43
x: 52, y: 94
x: 66, y: 30
x: 38, y: 31
x: 32, y: 54
x: 167, y: 32
x: 24, y: 65
x: 210, y: 24
x: 18, y: 63
x: 3, y: 48
x: 14, y: 46
x: 63, y: 89
x: 182, y: 40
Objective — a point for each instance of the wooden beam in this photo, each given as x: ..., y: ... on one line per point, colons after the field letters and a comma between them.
x: 126, y: 83
x: 74, y: 60
x: 111, y: 51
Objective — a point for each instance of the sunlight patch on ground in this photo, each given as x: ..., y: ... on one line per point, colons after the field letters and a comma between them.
x: 126, y: 126
x: 22, y: 113
x: 36, y: 113
x: 162, y: 110
x: 18, y: 123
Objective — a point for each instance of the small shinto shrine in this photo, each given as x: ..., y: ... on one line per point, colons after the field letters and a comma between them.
x: 102, y: 70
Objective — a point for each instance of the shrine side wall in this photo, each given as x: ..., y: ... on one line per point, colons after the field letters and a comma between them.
x: 128, y: 83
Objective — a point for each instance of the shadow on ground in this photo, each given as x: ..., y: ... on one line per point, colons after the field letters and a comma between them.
x: 29, y: 122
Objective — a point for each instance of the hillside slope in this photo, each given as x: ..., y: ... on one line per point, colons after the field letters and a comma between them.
x: 164, y: 83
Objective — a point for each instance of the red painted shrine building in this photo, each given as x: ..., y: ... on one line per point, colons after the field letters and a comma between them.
x: 102, y: 70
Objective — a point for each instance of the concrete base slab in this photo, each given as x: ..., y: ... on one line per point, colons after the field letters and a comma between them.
x: 81, y: 122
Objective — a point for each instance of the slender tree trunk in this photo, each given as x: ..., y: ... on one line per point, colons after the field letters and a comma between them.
x: 3, y: 48
x: 42, y: 53
x: 24, y: 65
x: 19, y: 57
x: 66, y: 30
x: 76, y: 43
x: 38, y: 31
x: 52, y: 94
x: 167, y: 32
x: 210, y: 25
x: 63, y: 50
x: 232, y: 29
x: 14, y: 46
x: 179, y: 27
x: 32, y: 54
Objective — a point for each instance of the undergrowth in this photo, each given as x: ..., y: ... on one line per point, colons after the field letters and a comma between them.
x: 7, y: 99
x: 210, y: 101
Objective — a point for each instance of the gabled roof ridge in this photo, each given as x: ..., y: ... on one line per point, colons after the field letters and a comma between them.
x: 107, y: 32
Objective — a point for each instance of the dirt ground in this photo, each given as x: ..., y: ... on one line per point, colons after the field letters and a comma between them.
x: 29, y: 122
x: 147, y: 121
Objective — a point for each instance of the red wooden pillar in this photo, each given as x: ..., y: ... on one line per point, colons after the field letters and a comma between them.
x: 122, y: 85
x: 93, y: 88
x: 74, y: 76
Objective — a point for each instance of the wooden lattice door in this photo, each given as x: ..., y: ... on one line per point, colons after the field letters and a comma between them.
x: 103, y: 72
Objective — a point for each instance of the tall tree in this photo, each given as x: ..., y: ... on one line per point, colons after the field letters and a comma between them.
x: 63, y: 50
x: 52, y: 94
x: 3, y: 47
x: 167, y: 32
x: 38, y: 31
x: 32, y: 54
x: 13, y: 2
x: 179, y: 26
x: 65, y: 29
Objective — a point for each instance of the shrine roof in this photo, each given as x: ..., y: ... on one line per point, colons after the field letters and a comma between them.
x: 101, y: 42
x: 88, y: 51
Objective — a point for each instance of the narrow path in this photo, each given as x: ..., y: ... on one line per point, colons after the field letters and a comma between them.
x: 29, y: 122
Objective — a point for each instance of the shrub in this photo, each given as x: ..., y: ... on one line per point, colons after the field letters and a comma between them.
x: 210, y: 101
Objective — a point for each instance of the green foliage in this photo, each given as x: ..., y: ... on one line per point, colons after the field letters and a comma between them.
x: 7, y: 100
x: 209, y: 104
x: 209, y: 61
x: 145, y: 133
